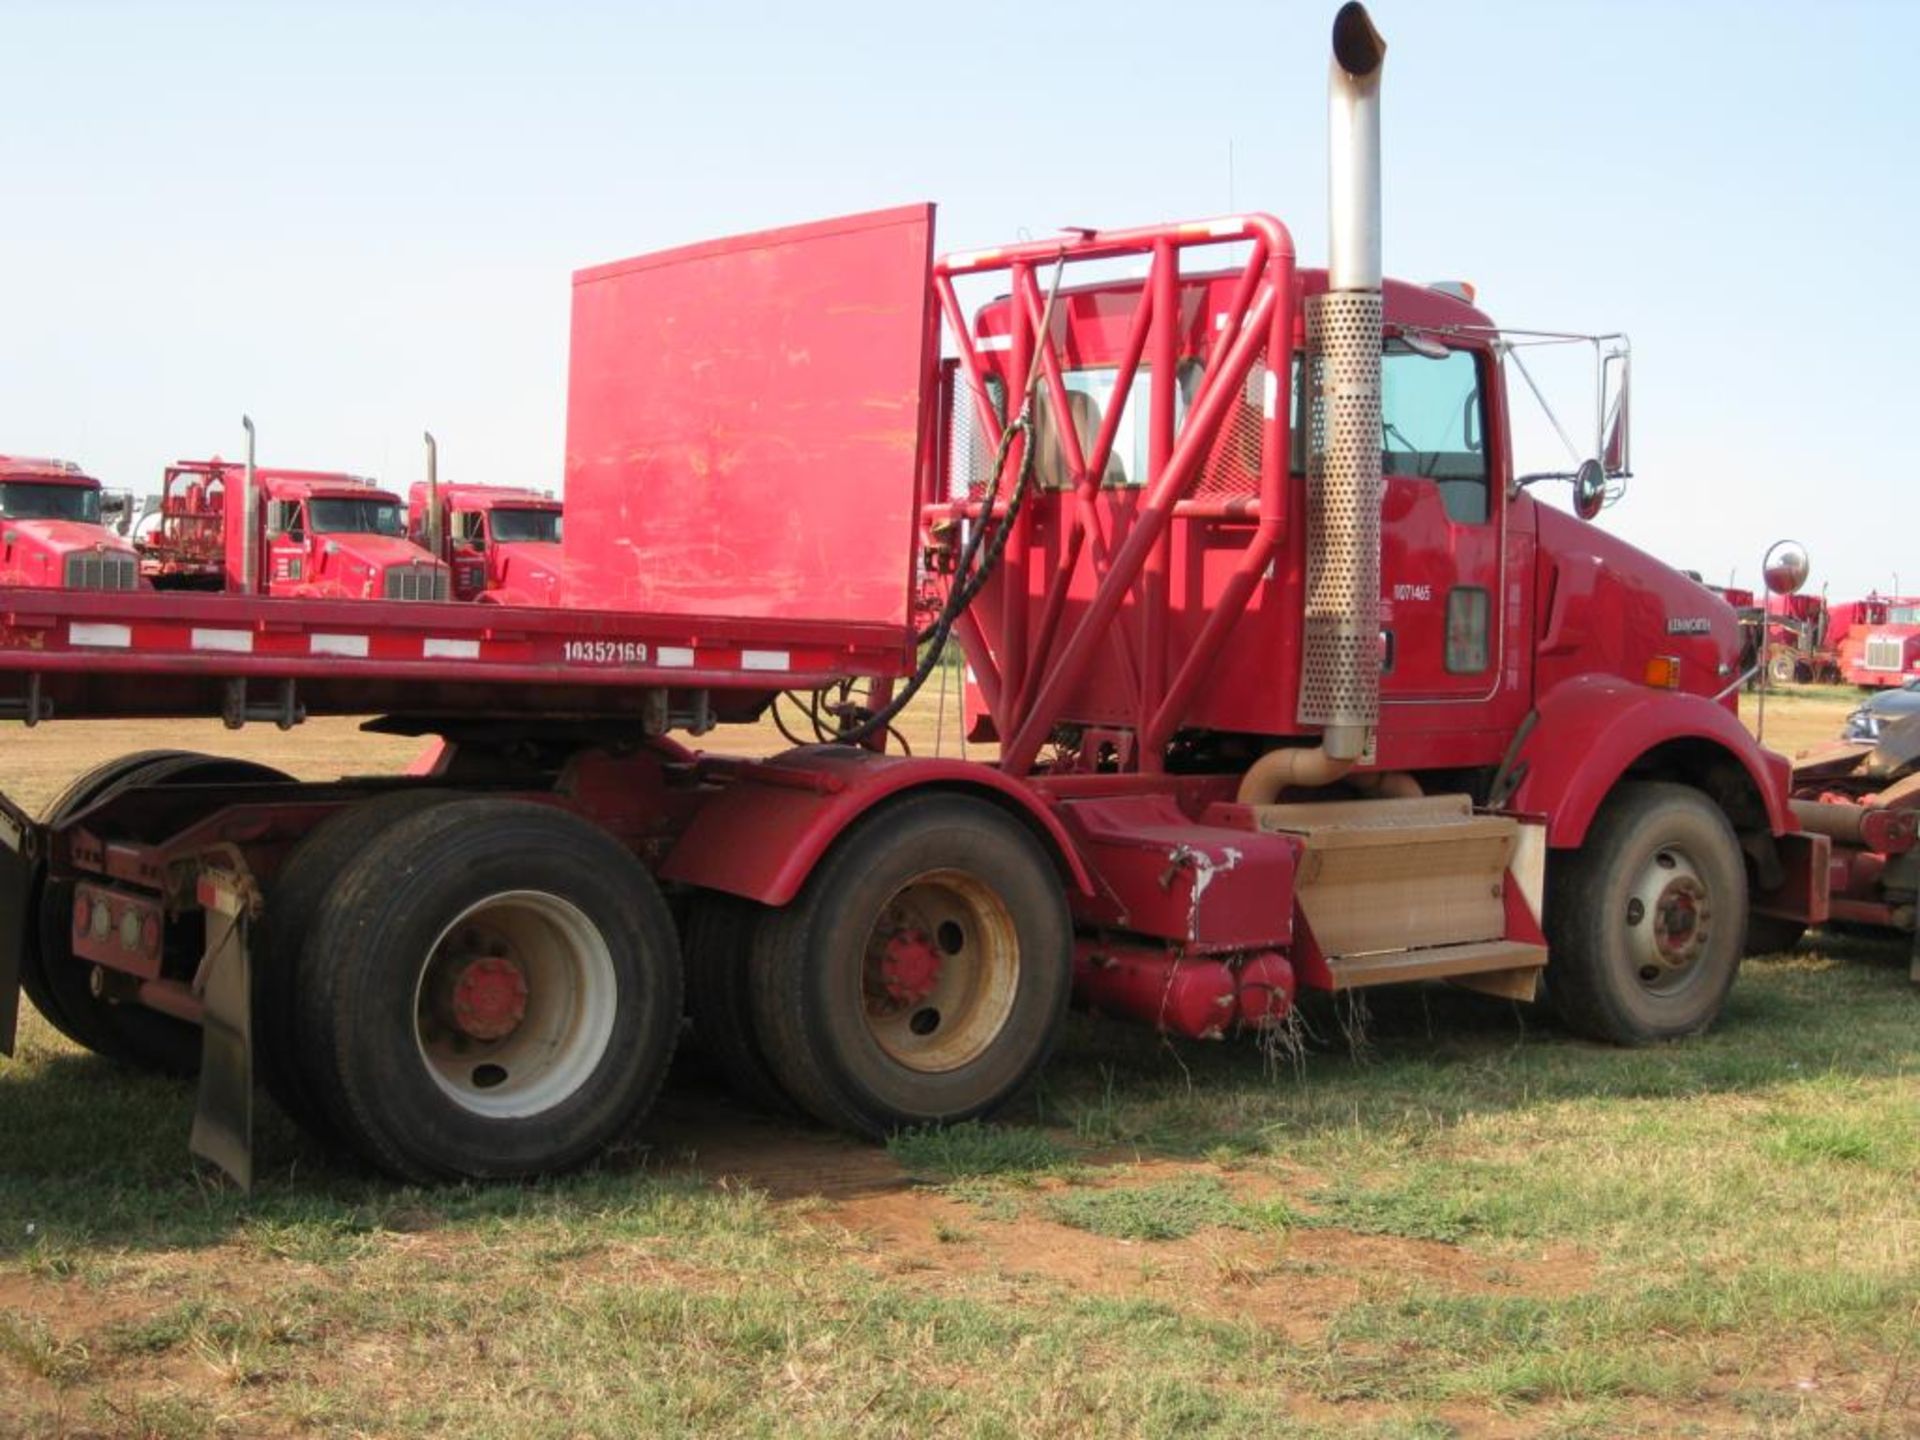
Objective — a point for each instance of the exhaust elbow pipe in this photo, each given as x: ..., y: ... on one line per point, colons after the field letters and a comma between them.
x: 1353, y: 115
x: 1340, y: 672
x: 1304, y: 767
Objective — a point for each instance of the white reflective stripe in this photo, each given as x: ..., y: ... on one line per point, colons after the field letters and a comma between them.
x: 680, y: 656
x: 1270, y: 395
x: 234, y: 642
x: 433, y: 649
x: 1230, y: 225
x: 765, y: 660
x: 354, y: 646
x: 967, y: 259
x: 988, y: 344
x: 114, y: 637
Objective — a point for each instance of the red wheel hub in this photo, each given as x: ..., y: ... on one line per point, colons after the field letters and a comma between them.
x: 909, y: 967
x: 489, y: 998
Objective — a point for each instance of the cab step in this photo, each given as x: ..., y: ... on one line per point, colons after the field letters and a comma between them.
x: 1505, y: 967
x: 1397, y: 890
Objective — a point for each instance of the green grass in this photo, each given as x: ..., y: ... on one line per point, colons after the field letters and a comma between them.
x: 1470, y: 1221
x: 972, y: 1150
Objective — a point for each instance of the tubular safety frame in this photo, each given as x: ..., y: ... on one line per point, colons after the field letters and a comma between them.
x: 1026, y: 687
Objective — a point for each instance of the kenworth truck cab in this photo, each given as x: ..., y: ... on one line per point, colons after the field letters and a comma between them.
x: 52, y: 533
x: 335, y: 536
x: 1882, y: 647
x: 502, y: 541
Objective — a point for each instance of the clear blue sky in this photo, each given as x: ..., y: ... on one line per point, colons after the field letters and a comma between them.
x: 355, y: 220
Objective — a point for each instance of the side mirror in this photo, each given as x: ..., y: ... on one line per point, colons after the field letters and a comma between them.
x: 1785, y: 567
x: 1616, y: 381
x: 1589, y: 489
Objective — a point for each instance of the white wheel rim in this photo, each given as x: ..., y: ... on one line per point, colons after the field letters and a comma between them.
x: 940, y: 972
x: 558, y: 1031
x: 1669, y: 922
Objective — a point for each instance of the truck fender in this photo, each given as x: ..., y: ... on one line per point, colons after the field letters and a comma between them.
x: 1594, y: 729
x: 761, y: 837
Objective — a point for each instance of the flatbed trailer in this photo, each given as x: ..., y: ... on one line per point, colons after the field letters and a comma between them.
x: 1350, y: 712
x: 91, y: 655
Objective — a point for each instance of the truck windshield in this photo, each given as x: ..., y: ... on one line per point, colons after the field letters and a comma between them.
x: 25, y: 500
x: 356, y: 517
x: 1903, y: 615
x: 513, y: 527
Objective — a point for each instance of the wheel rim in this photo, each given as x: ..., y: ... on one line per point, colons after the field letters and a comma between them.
x: 942, y: 966
x: 1669, y: 921
x: 514, y: 1008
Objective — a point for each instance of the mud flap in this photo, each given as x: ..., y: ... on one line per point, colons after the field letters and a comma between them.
x: 19, y: 853
x: 223, y: 1116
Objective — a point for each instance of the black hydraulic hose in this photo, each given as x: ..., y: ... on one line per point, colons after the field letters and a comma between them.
x: 967, y: 582
x: 975, y: 563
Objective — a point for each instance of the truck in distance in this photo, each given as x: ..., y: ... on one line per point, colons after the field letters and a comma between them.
x: 1882, y: 647
x: 52, y: 531
x: 502, y: 541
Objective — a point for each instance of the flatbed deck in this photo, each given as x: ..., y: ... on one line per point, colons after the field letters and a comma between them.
x: 103, y: 655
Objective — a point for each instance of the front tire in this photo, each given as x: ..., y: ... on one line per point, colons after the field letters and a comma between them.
x: 1646, y: 922
x: 495, y: 985
x: 922, y: 975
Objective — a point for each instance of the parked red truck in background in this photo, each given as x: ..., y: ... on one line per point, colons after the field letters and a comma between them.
x: 1882, y: 645
x: 1296, y: 683
x: 1800, y: 641
x: 502, y: 541
x: 333, y: 536
x: 321, y: 533
x: 52, y: 532
x: 183, y: 542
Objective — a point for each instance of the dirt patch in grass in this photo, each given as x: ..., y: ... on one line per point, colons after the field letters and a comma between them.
x: 1294, y: 1278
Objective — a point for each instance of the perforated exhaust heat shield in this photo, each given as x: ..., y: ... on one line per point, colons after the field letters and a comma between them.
x: 1340, y: 672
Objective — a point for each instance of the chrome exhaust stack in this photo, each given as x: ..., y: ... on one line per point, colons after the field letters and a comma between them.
x: 249, y: 520
x: 1340, y: 673
x: 435, y: 540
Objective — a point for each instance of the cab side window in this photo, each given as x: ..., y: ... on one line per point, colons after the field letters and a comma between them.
x: 1433, y: 427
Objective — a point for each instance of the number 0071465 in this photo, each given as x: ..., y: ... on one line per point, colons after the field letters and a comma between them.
x: 603, y: 652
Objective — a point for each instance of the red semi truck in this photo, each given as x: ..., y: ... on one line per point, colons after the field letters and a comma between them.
x: 52, y: 532
x: 1882, y: 645
x: 502, y: 541
x: 318, y: 534
x: 183, y: 542
x: 1802, y: 640
x: 1296, y: 683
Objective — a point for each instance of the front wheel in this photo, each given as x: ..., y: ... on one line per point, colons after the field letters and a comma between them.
x: 1646, y: 922
x: 922, y: 976
x: 496, y: 986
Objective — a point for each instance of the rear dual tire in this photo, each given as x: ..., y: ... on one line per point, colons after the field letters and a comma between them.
x: 922, y: 976
x: 488, y: 988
